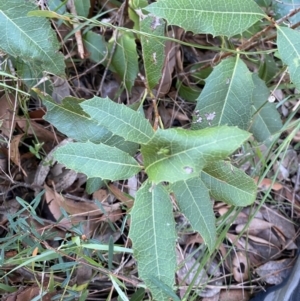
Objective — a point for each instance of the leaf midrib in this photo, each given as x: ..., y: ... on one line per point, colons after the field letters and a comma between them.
x: 36, y: 44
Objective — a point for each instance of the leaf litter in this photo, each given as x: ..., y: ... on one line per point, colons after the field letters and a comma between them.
x: 259, y: 248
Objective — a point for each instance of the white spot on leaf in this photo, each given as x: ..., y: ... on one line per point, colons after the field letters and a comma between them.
x: 188, y: 170
x: 210, y: 116
x: 154, y: 58
x: 155, y: 22
x: 271, y: 98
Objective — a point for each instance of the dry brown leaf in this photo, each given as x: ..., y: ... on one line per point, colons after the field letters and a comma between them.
x: 255, y: 227
x: 10, y: 254
x: 14, y: 151
x: 7, y: 107
x: 213, y: 298
x: 240, y: 267
x: 100, y: 195
x: 273, y: 236
x: 265, y: 184
x: 83, y: 273
x: 41, y: 228
x: 78, y: 209
x: 37, y: 114
x: 53, y: 202
x: 224, y: 255
x: 74, y: 208
x: 264, y: 250
x: 234, y: 295
x: 190, y: 269
x: 3, y: 160
x: 120, y: 195
x: 8, y: 207
x: 286, y: 165
x: 113, y: 215
x: 169, y: 64
x: 243, y: 244
x: 62, y: 177
x: 178, y: 115
x: 235, y: 240
x: 251, y: 211
x: 273, y: 272
x: 242, y: 218
x: 43, y: 135
x: 105, y: 233
x: 44, y: 166
x: 61, y: 89
x: 260, y: 240
x: 111, y: 89
x: 277, y: 219
x: 191, y: 240
x: 221, y: 208
x: 28, y: 294
x: 165, y: 116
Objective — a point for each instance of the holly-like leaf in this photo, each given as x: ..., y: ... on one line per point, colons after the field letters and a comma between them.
x: 153, y: 48
x: 177, y: 154
x: 194, y: 202
x: 70, y: 119
x: 288, y: 43
x: 266, y: 119
x: 226, y: 97
x: 97, y: 160
x: 30, y: 38
x: 96, y: 46
x: 153, y: 235
x: 226, y: 18
x: 229, y: 184
x: 119, y: 119
x: 125, y: 58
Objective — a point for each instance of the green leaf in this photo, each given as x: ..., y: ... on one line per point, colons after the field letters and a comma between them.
x: 138, y: 295
x: 194, y: 202
x: 31, y: 76
x: 119, y: 119
x: 282, y: 8
x: 132, y: 7
x: 229, y: 184
x: 82, y: 7
x: 30, y: 38
x: 219, y: 17
x: 177, y: 154
x: 7, y: 288
x: 93, y: 184
x: 153, y: 235
x: 288, y: 43
x: 125, y: 58
x: 189, y: 93
x: 266, y: 119
x: 268, y: 67
x: 226, y: 97
x: 70, y: 119
x: 96, y: 45
x: 57, y: 6
x: 97, y: 160
x: 153, y: 48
